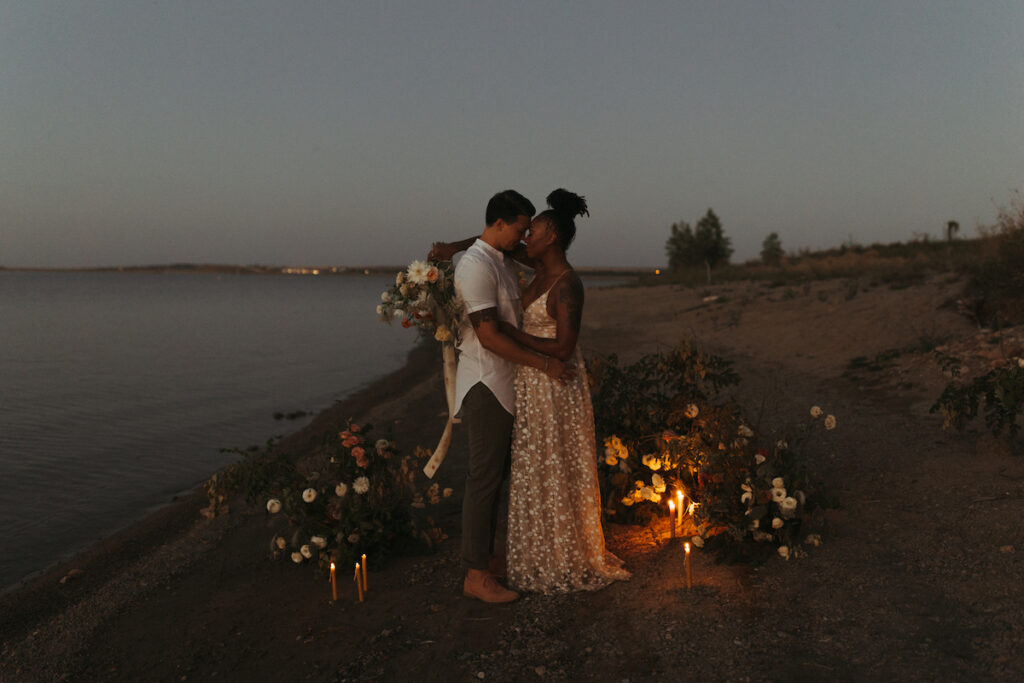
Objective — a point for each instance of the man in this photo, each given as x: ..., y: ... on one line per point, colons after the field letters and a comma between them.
x: 487, y: 281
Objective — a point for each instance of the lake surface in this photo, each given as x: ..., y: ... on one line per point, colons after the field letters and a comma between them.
x: 117, y: 390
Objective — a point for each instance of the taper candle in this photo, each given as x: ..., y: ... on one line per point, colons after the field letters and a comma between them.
x: 679, y: 506
x: 689, y: 577
x: 671, y: 519
x: 366, y: 586
x: 359, y: 582
x: 334, y: 584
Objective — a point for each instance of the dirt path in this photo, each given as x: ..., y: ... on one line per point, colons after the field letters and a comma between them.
x: 918, y: 577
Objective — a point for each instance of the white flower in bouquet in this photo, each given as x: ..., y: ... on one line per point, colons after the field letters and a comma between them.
x: 319, y: 541
x: 341, y: 489
x: 306, y: 551
x: 273, y: 506
x: 746, y: 431
x: 280, y: 542
x: 297, y: 558
x: 830, y: 422
x: 417, y: 272
x: 1020, y: 362
x: 658, y: 482
x: 784, y: 552
x: 778, y: 483
x: 746, y: 497
x: 777, y: 523
x: 627, y: 501
x: 761, y: 536
x: 813, y: 539
x: 353, y: 538
x: 447, y: 493
x: 781, y: 445
x: 382, y: 445
x: 815, y: 412
x: 758, y: 458
x: 309, y: 495
x: 692, y: 411
x: 380, y: 310
x: 697, y: 541
x: 361, y: 485
x: 788, y: 506
x: 385, y: 297
x: 611, y: 460
x: 778, y: 495
x: 442, y: 334
x: 647, y: 493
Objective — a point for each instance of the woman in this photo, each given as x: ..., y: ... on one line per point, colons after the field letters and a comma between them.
x: 555, y: 540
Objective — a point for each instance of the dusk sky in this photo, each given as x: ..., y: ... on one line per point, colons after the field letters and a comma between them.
x: 354, y: 133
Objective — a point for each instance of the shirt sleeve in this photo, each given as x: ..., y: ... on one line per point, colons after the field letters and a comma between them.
x: 477, y: 285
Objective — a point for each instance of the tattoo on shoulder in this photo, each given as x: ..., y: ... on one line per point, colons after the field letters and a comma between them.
x: 570, y: 295
x: 488, y: 315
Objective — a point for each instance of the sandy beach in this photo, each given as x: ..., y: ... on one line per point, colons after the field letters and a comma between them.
x: 917, y: 578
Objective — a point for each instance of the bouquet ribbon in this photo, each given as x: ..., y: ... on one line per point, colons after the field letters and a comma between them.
x: 448, y: 357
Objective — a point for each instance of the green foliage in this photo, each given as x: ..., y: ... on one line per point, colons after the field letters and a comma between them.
x: 771, y: 250
x: 665, y: 429
x: 999, y: 394
x: 705, y: 245
x: 353, y: 496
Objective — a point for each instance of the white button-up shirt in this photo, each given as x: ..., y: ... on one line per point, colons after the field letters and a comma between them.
x: 486, y: 278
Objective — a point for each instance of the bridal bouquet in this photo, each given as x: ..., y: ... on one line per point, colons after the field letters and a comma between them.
x: 424, y: 296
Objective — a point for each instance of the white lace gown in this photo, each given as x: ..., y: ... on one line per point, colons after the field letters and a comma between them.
x: 555, y: 539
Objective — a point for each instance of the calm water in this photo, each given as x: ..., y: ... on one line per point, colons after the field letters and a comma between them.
x: 116, y: 390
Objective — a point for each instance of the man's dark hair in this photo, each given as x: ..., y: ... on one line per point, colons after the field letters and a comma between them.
x: 507, y: 206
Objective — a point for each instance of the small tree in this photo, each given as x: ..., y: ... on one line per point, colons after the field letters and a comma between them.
x: 771, y: 249
x: 952, y: 228
x: 680, y: 247
x: 712, y: 244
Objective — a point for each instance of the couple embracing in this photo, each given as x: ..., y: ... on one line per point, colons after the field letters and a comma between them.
x: 522, y: 394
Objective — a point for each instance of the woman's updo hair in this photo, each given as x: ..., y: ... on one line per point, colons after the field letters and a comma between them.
x: 565, y: 206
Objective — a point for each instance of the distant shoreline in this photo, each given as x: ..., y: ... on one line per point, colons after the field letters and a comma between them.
x: 289, y: 270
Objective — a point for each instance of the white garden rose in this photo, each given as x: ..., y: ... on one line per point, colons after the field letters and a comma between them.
x: 647, y: 493
x: 830, y: 422
x: 777, y: 523
x: 756, y: 524
x: 692, y: 411
x: 353, y: 538
x: 813, y: 539
x: 306, y: 551
x: 380, y: 309
x: 385, y: 297
x: 778, y: 483
x: 781, y: 445
x: 319, y: 542
x: 309, y: 495
x: 788, y: 505
x: 611, y: 460
x: 658, y: 482
x: 784, y: 552
x: 1020, y: 362
x: 815, y: 412
x: 761, y: 536
x: 361, y: 485
x: 627, y: 501
x: 745, y: 498
x: 280, y: 542
x: 697, y: 541
x: 778, y: 495
x: 382, y: 445
x: 447, y: 493
x: 746, y: 431
x: 341, y: 489
x: 297, y: 558
x: 758, y: 458
x: 273, y: 506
